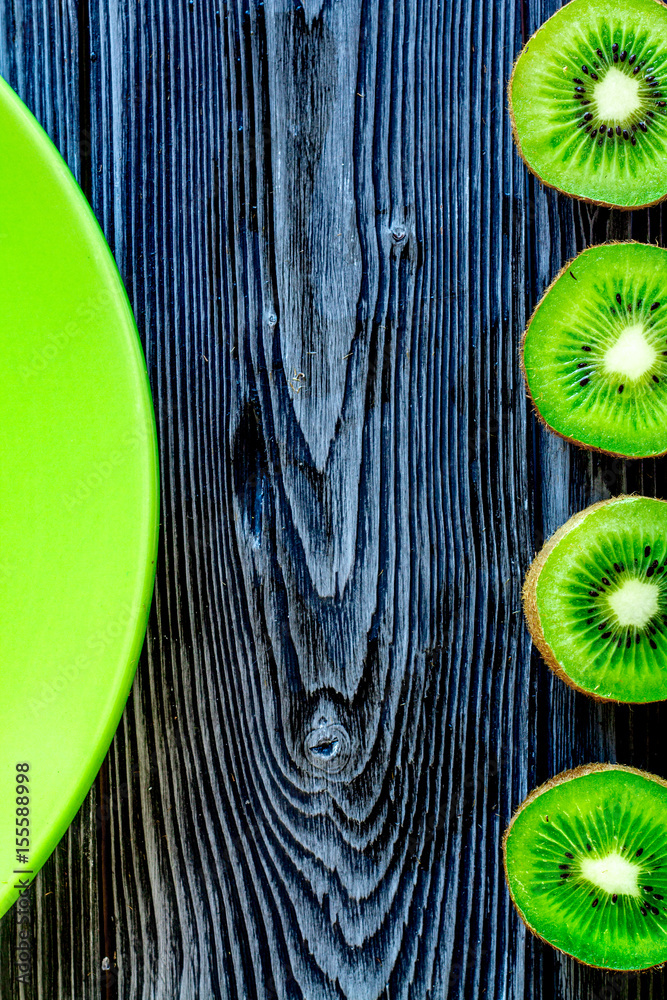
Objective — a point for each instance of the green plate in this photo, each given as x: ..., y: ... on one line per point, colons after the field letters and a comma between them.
x: 78, y: 497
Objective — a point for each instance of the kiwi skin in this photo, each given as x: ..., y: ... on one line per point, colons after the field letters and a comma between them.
x: 570, y: 440
x: 515, y: 134
x: 529, y: 598
x: 577, y: 772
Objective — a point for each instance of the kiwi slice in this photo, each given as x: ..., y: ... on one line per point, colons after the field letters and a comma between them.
x: 586, y: 865
x: 594, y: 354
x: 595, y: 600
x: 588, y: 99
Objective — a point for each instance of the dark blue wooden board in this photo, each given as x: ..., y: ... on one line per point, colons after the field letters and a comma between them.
x: 332, y: 248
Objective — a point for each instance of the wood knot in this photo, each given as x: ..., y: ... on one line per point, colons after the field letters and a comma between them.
x: 251, y: 470
x: 328, y: 747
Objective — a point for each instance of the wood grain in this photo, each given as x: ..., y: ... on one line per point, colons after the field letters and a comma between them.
x: 331, y: 248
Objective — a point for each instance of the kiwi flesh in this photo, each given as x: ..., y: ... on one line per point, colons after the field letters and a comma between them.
x: 588, y: 99
x: 594, y: 354
x: 595, y: 600
x: 586, y: 865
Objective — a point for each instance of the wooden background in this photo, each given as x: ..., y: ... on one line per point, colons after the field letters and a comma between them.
x: 332, y: 249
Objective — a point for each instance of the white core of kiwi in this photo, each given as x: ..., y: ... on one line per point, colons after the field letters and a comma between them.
x: 617, y: 96
x: 635, y: 602
x: 631, y: 355
x: 613, y: 874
